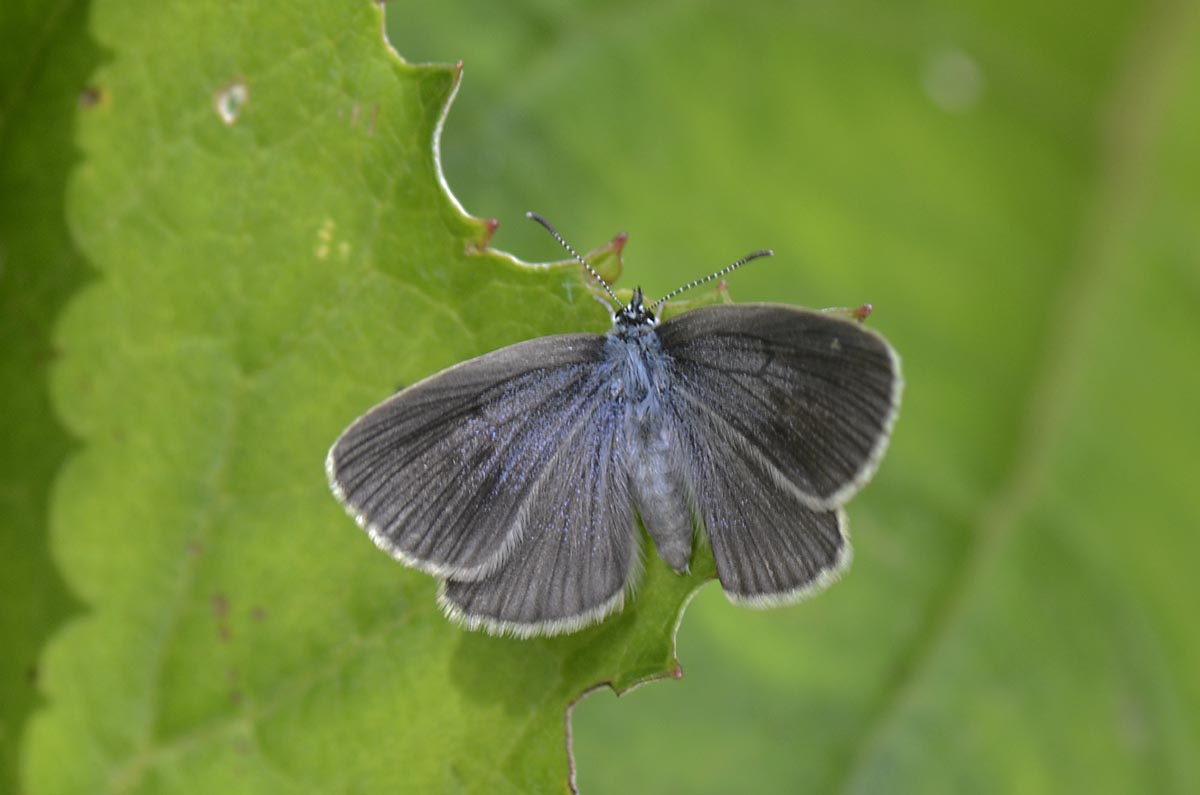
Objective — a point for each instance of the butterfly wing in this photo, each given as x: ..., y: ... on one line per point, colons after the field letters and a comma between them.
x: 770, y: 548
x: 441, y: 475
x: 782, y: 414
x: 577, y: 552
x: 810, y: 393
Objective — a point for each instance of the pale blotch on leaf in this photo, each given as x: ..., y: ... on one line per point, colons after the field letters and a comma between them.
x: 356, y: 115
x: 953, y: 80
x: 325, y: 238
x: 229, y: 101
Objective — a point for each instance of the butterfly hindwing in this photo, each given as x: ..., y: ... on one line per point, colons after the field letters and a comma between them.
x: 578, y: 547
x: 769, y: 547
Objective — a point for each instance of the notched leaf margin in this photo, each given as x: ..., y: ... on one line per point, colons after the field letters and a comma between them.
x: 676, y: 672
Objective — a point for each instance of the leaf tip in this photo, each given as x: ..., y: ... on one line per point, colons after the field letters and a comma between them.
x: 617, y: 244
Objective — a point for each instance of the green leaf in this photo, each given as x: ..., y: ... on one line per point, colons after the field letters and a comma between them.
x: 45, y: 59
x: 1014, y: 187
x: 260, y: 195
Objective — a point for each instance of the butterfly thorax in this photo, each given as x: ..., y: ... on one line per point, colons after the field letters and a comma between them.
x: 639, y: 367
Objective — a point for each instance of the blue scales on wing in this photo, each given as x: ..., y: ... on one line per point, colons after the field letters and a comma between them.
x: 578, y: 546
x: 442, y: 474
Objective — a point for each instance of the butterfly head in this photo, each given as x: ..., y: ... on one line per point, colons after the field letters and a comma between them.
x: 635, y: 313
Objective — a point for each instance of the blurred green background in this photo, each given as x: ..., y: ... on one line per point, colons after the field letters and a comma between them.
x: 1015, y: 187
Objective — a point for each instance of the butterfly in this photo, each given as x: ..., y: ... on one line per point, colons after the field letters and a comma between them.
x: 517, y: 477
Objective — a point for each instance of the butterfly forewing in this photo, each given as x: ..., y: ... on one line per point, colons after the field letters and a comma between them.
x: 441, y: 474
x: 812, y: 395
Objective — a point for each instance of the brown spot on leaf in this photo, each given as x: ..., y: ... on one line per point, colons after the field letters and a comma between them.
x: 90, y: 96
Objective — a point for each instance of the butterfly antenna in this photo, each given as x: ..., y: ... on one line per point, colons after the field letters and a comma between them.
x: 575, y: 254
x: 766, y: 252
